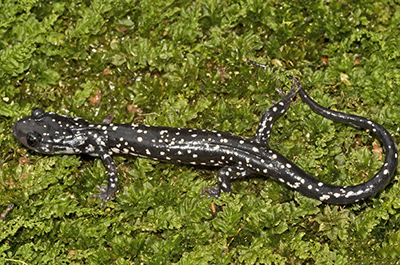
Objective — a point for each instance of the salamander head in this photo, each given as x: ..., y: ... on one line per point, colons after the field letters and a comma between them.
x: 50, y: 133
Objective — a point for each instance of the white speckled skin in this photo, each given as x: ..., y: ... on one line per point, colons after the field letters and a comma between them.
x: 50, y: 133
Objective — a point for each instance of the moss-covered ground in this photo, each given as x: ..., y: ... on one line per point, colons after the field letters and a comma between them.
x: 182, y: 64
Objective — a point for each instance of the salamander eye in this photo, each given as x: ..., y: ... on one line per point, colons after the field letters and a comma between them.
x: 33, y: 139
x: 37, y: 113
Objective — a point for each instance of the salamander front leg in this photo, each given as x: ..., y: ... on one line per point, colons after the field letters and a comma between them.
x: 264, y: 127
x: 107, y: 192
x: 225, y: 175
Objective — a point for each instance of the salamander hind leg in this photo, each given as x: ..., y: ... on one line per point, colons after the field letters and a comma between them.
x: 107, y: 192
x: 264, y: 127
x: 225, y: 176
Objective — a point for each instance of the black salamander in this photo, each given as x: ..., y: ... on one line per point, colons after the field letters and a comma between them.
x: 237, y: 157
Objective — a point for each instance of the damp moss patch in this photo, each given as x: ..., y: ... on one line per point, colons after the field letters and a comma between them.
x: 183, y: 64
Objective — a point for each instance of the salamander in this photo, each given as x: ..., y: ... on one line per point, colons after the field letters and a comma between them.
x: 236, y: 156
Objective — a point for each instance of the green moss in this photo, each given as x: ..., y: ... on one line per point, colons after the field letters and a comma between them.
x: 182, y: 64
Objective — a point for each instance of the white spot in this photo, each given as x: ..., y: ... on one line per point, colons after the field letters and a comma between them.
x: 359, y: 192
x: 115, y: 150
x: 324, y: 197
x: 139, y: 139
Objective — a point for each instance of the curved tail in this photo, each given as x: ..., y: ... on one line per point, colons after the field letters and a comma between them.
x: 349, y: 194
